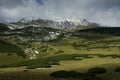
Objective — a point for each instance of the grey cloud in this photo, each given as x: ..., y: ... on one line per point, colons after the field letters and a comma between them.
x: 40, y: 2
x: 10, y: 3
x: 105, y: 12
x: 107, y: 4
x: 16, y: 3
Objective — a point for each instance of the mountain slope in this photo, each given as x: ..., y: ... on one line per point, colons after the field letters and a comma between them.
x: 3, y: 27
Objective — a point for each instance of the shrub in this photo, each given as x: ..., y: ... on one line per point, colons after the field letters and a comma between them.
x: 59, y: 74
x: 97, y: 70
x: 117, y: 69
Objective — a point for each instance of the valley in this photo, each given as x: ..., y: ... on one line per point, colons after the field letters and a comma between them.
x: 34, y: 53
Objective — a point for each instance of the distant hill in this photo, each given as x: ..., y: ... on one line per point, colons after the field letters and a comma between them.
x: 115, y: 31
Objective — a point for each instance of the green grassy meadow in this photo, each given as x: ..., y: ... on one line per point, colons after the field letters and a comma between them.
x: 35, y: 60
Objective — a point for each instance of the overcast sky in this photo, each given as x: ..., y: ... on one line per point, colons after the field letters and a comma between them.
x: 104, y: 12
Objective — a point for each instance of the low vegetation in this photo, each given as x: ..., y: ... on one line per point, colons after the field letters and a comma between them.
x: 54, y: 60
x: 67, y: 75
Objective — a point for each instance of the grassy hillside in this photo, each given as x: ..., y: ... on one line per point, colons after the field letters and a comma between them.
x: 9, y: 48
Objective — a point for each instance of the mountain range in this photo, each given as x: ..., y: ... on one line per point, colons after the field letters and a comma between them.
x: 57, y: 24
